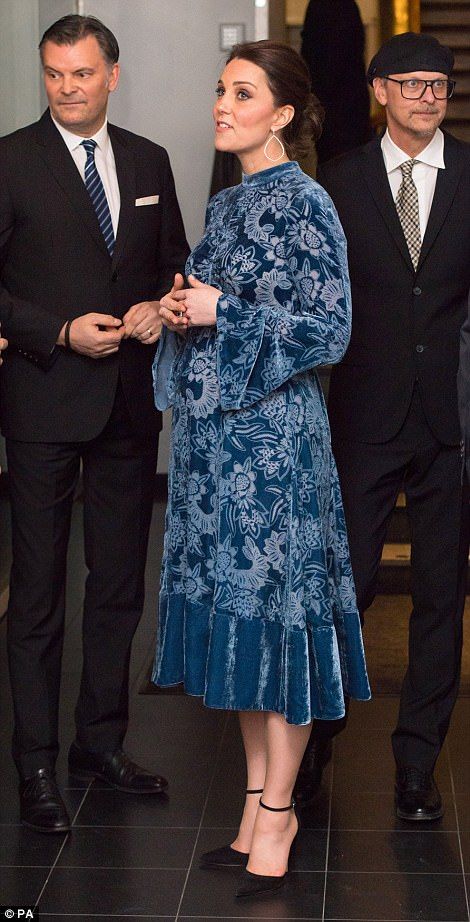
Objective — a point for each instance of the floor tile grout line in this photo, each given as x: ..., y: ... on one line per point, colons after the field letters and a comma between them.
x: 121, y: 915
x: 216, y: 760
x: 109, y: 915
x: 353, y: 829
x: 457, y: 821
x: 328, y: 835
x: 36, y: 905
x: 302, y: 871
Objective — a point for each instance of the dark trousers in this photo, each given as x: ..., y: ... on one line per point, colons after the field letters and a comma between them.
x: 118, y: 486
x: 371, y: 477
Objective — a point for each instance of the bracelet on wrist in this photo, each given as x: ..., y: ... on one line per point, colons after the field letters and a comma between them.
x: 67, y: 334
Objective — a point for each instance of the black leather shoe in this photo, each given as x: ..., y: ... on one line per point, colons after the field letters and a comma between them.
x: 316, y: 757
x: 416, y: 795
x: 116, y: 769
x: 41, y: 806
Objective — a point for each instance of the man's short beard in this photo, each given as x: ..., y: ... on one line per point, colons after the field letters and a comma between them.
x: 425, y: 132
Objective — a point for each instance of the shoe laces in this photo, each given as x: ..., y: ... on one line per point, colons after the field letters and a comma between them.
x: 41, y: 785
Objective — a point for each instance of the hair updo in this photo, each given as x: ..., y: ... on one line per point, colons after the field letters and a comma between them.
x: 289, y: 81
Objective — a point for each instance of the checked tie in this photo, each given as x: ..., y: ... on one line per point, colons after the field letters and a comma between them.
x: 97, y: 194
x: 408, y: 211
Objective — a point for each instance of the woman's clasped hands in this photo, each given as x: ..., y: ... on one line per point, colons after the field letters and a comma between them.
x: 189, y: 307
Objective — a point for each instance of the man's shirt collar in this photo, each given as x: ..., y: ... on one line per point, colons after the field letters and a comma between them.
x: 432, y: 155
x: 73, y: 141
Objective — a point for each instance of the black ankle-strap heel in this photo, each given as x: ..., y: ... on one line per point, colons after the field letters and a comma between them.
x: 226, y: 856
x: 254, y: 885
x: 277, y: 809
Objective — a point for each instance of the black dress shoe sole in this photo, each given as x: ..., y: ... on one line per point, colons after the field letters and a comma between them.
x: 55, y: 831
x: 98, y: 776
x: 419, y: 816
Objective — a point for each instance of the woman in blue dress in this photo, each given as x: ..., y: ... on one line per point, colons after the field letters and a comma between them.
x: 257, y: 605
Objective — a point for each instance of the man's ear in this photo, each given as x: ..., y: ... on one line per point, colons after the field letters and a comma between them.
x: 380, y: 90
x: 113, y: 78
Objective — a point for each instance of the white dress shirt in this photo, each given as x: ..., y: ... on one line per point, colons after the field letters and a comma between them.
x: 428, y: 162
x: 105, y: 164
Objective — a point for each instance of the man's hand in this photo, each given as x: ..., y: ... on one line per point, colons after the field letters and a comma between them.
x: 94, y: 335
x: 170, y: 309
x: 3, y: 345
x: 142, y: 322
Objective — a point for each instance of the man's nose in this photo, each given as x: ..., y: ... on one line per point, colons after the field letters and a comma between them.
x: 68, y: 85
x: 428, y: 95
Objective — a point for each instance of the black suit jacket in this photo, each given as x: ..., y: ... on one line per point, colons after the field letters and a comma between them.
x: 405, y: 324
x: 54, y: 266
x: 463, y: 387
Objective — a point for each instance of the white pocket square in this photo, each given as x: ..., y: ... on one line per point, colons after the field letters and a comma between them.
x: 147, y: 200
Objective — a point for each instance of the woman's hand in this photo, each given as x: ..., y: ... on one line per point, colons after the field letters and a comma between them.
x: 171, y: 309
x: 199, y: 303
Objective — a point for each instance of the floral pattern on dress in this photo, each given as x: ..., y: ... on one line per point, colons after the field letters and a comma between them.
x: 257, y: 603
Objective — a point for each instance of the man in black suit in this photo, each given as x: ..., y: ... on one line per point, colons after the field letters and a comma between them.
x: 333, y: 48
x: 404, y: 202
x: 90, y: 237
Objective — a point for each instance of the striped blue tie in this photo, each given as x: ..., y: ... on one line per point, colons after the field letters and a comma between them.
x: 98, y: 195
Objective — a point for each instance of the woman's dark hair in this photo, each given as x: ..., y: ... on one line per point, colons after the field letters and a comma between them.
x: 70, y: 29
x: 289, y: 81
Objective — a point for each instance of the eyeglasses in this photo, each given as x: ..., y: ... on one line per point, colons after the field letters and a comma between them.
x: 415, y: 89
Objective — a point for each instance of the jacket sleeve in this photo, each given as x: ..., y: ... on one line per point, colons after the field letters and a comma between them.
x: 463, y: 386
x: 27, y: 326
x: 262, y: 345
x: 173, y: 247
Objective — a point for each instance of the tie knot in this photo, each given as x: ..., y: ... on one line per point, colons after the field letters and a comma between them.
x: 89, y: 146
x: 407, y: 168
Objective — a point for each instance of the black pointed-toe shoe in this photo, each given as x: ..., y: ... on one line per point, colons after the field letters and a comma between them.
x: 258, y: 885
x: 116, y: 769
x: 41, y: 806
x: 316, y: 757
x: 254, y: 885
x: 417, y: 798
x: 226, y: 856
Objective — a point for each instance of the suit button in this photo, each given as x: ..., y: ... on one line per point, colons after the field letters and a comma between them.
x: 417, y: 290
x: 114, y: 277
x: 419, y: 348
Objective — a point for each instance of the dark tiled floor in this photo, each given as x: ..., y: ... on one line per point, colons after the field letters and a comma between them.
x: 136, y: 858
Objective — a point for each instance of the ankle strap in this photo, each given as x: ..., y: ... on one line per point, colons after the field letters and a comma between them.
x: 254, y: 791
x: 277, y: 809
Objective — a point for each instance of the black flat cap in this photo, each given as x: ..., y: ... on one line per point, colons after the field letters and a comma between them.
x: 409, y: 52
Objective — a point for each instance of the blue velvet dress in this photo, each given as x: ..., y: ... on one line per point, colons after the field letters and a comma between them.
x: 257, y: 601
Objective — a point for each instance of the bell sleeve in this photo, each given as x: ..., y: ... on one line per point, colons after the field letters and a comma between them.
x: 301, y: 315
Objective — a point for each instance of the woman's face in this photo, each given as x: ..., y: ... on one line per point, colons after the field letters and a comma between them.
x: 244, y: 113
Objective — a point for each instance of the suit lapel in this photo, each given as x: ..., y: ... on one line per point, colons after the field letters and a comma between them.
x: 375, y: 175
x: 60, y: 162
x: 125, y: 169
x: 444, y: 194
